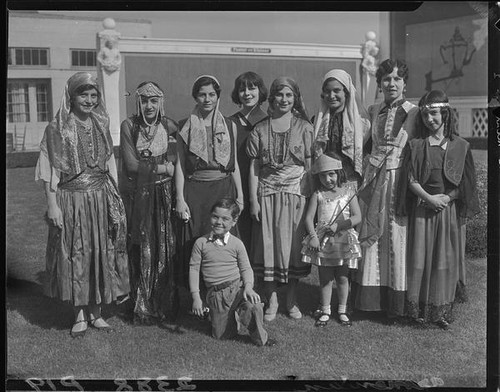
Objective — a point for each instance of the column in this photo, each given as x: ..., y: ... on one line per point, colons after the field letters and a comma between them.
x: 108, y: 72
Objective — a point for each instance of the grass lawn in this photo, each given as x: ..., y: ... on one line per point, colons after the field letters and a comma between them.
x: 39, y: 345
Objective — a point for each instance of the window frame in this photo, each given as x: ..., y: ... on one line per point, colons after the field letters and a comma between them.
x: 15, y: 53
x: 79, y: 53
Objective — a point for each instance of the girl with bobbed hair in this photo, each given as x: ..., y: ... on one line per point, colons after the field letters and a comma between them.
x: 380, y: 284
x: 249, y: 93
x: 280, y: 149
x: 440, y: 176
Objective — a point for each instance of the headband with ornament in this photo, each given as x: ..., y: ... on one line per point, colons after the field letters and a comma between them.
x: 149, y: 90
x: 325, y: 163
x: 435, y: 105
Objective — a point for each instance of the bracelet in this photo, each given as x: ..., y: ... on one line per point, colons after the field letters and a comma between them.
x: 312, y: 235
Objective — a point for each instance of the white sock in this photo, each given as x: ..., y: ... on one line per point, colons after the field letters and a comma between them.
x: 326, y: 309
x: 342, y: 309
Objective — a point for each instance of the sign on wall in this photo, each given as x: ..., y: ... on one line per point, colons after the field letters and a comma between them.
x: 448, y: 55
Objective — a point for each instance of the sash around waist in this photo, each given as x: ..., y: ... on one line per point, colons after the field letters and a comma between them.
x: 85, y: 182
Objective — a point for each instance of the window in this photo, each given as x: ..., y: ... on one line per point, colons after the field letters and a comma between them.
x: 83, y: 58
x: 28, y: 56
x: 28, y: 100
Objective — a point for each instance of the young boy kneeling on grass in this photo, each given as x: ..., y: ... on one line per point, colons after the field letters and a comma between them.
x: 224, y: 264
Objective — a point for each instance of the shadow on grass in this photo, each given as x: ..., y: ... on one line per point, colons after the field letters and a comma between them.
x: 27, y: 298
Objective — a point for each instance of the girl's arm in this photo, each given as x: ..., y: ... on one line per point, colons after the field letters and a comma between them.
x: 312, y: 207
x: 54, y: 213
x: 236, y: 173
x: 181, y: 206
x: 253, y: 183
x: 354, y: 220
x: 435, y: 202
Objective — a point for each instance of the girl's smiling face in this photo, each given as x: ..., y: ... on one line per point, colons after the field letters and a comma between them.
x: 249, y: 95
x: 85, y: 102
x: 433, y: 119
x: 328, y: 179
x: 284, y: 100
x: 334, y: 95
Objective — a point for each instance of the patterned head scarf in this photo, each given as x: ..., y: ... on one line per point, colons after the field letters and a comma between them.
x: 60, y: 139
x: 299, y: 107
x: 352, y: 135
x: 195, y: 136
x: 148, y: 90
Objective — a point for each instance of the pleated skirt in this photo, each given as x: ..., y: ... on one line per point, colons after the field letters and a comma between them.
x: 81, y: 261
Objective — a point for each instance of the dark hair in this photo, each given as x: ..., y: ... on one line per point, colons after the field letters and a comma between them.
x: 387, y: 66
x: 449, y: 122
x: 341, y: 176
x: 228, y: 204
x: 85, y: 87
x: 298, y: 105
x: 205, y: 81
x: 249, y: 79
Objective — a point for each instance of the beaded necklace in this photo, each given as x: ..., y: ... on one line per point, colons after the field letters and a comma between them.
x: 278, y: 146
x: 88, y: 141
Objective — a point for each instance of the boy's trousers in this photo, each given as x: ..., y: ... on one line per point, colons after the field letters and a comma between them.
x: 226, y: 302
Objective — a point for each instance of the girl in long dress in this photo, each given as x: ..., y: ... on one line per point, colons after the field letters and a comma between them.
x: 86, y: 258
x: 207, y: 167
x: 380, y: 283
x: 148, y: 157
x: 249, y: 93
x: 280, y: 149
x: 443, y: 194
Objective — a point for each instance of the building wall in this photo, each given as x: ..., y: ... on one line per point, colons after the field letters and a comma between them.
x: 59, y: 34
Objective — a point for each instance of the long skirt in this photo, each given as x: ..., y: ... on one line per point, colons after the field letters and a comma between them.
x: 435, y: 262
x: 277, y: 240
x: 200, y: 196
x: 83, y: 266
x: 380, y: 283
x: 152, y: 253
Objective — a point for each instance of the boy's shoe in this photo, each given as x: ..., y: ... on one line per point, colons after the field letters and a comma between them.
x: 271, y: 342
x: 295, y: 313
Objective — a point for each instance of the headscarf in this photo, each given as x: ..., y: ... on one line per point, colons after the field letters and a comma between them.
x: 299, y: 108
x: 195, y: 136
x: 149, y: 90
x: 60, y: 140
x: 352, y: 135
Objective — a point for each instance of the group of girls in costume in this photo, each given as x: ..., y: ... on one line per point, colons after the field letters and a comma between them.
x: 378, y: 198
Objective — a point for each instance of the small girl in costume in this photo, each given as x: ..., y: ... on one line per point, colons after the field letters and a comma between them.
x: 442, y: 181
x: 333, y: 245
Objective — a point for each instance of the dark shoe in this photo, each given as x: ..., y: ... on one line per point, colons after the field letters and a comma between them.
x: 322, y: 320
x: 78, y: 334
x: 345, y: 323
x: 104, y: 328
x: 270, y: 343
x: 317, y: 314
